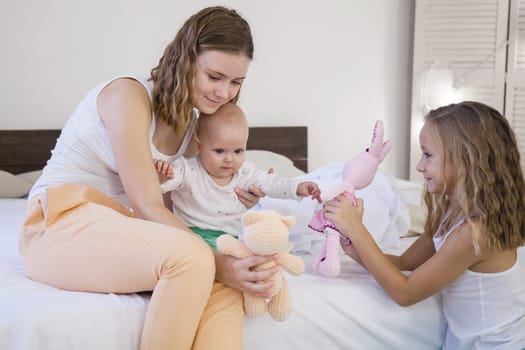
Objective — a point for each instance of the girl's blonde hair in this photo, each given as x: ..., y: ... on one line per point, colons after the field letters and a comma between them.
x: 482, y: 170
x: 213, y: 28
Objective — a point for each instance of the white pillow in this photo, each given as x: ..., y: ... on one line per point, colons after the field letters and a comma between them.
x: 266, y: 159
x: 13, y: 186
x: 30, y: 176
x: 412, y: 194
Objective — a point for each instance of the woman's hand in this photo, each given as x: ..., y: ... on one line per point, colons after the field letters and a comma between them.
x: 239, y: 274
x: 251, y: 197
x: 346, y: 216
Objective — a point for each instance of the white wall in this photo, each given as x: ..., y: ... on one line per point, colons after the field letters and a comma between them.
x: 334, y: 66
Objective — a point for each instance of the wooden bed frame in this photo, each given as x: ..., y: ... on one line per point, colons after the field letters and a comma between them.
x: 28, y: 150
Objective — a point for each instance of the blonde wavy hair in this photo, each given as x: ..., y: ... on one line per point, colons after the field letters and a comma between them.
x: 212, y: 28
x: 482, y: 169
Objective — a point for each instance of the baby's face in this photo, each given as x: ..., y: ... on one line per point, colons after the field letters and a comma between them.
x: 223, y: 151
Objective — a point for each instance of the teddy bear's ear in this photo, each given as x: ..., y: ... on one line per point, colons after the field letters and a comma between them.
x: 289, y: 221
x: 251, y: 217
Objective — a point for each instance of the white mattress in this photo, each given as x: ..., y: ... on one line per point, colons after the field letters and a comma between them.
x: 347, y: 312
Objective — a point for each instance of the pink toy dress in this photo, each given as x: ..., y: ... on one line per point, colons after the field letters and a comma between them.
x: 358, y: 173
x: 319, y: 223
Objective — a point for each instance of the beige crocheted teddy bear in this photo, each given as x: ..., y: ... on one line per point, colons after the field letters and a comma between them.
x: 265, y: 232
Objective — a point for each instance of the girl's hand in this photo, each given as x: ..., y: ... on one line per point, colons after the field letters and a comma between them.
x: 239, y: 274
x: 164, y: 170
x: 251, y: 197
x: 346, y: 217
x: 349, y: 250
x: 309, y: 188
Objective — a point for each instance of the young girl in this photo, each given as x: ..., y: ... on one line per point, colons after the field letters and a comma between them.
x: 475, y: 194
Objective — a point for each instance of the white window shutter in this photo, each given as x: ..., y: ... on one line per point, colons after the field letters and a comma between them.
x: 460, y: 42
x: 515, y: 94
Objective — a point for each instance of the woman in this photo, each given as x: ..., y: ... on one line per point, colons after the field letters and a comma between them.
x: 96, y: 220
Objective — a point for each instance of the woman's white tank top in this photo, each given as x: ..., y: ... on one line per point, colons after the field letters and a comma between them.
x: 83, y: 152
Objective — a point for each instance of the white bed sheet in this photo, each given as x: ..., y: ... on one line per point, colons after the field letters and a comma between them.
x: 35, y: 316
x: 347, y: 312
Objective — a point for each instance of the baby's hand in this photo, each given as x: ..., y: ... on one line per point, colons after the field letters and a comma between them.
x: 309, y: 188
x: 164, y: 170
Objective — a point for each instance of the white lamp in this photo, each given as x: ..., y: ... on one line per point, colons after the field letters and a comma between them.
x: 441, y: 86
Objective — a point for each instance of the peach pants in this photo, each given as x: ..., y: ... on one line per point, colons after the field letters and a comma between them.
x: 88, y: 242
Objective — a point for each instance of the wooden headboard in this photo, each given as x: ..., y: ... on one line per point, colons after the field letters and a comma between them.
x: 28, y: 150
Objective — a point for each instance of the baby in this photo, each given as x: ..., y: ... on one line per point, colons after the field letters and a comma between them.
x: 202, y: 188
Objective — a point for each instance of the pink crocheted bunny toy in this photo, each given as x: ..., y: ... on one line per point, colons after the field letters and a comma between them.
x: 358, y: 173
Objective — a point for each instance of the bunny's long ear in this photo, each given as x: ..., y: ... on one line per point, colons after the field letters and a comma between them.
x: 387, y: 145
x: 378, y: 148
x: 377, y: 139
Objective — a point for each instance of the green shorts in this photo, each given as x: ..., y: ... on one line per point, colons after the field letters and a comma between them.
x: 209, y: 236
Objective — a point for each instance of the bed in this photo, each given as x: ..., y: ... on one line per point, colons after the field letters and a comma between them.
x: 347, y: 312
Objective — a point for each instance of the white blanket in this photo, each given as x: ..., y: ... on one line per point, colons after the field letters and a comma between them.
x: 386, y: 212
x: 347, y: 312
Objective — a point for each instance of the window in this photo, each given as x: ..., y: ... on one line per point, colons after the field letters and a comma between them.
x: 468, y: 50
